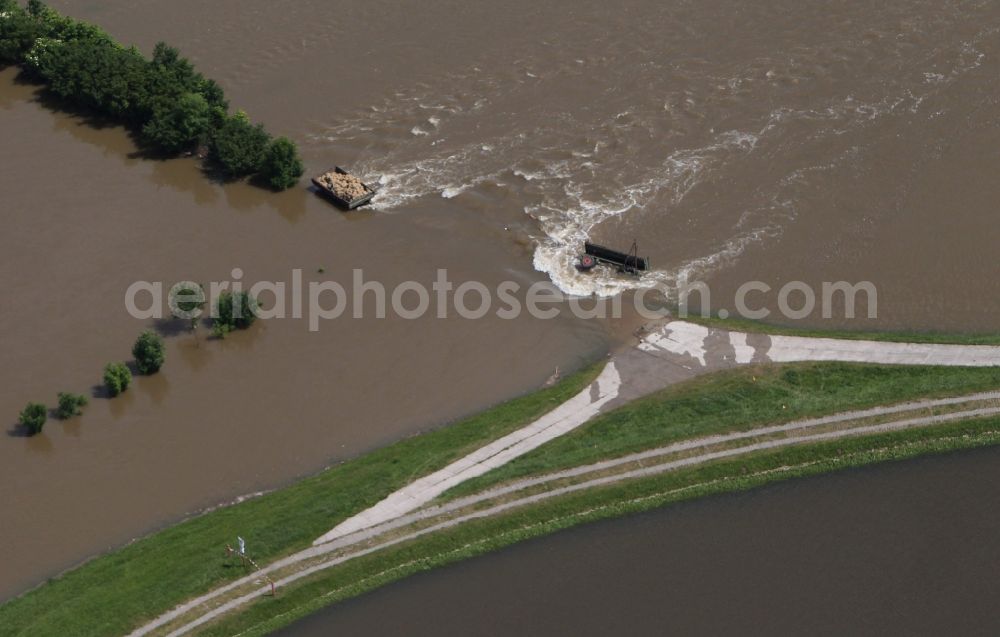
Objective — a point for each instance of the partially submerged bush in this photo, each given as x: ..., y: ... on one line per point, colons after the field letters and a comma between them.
x: 233, y: 312
x: 18, y: 32
x: 178, y: 125
x: 186, y: 300
x: 117, y: 378
x: 33, y: 418
x: 238, y: 146
x: 108, y: 80
x: 148, y: 352
x: 282, y: 167
x: 70, y: 405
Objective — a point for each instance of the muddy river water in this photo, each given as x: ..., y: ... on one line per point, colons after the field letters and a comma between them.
x: 778, y: 140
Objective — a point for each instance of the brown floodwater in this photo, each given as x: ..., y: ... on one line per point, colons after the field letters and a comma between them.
x: 909, y: 548
x: 779, y: 140
x: 223, y: 418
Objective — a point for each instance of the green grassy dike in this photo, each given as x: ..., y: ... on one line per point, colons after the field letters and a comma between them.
x: 737, y: 400
x: 114, y: 593
x: 478, y: 537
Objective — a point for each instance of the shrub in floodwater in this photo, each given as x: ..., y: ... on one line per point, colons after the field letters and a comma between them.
x: 117, y: 378
x: 64, y: 28
x: 148, y: 352
x: 238, y: 146
x: 188, y: 298
x: 281, y: 167
x: 92, y: 74
x: 33, y: 417
x: 70, y: 405
x: 173, y: 75
x: 18, y: 32
x: 178, y: 125
x: 233, y: 312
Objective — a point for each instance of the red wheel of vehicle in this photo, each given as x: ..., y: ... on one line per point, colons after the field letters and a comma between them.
x: 587, y: 262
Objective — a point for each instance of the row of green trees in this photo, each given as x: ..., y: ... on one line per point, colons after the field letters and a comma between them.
x: 148, y: 353
x: 34, y: 416
x: 232, y: 310
x: 235, y: 311
x: 172, y: 107
x: 149, y: 357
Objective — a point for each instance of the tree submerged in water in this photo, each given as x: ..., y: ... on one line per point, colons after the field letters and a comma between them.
x: 179, y: 125
x: 238, y: 146
x: 233, y: 311
x: 282, y: 167
x: 117, y: 378
x: 70, y: 405
x: 33, y: 418
x: 186, y: 301
x: 148, y: 352
x: 171, y: 107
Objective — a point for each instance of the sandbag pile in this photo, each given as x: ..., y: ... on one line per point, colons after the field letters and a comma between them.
x: 347, y: 187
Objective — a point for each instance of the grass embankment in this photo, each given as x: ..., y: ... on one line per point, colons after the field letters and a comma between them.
x: 735, y: 400
x: 114, y: 593
x: 759, y: 327
x: 481, y: 536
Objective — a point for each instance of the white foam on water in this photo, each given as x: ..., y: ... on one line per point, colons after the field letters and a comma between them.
x: 568, y: 212
x: 567, y: 229
x: 448, y: 175
x: 578, y: 173
x: 451, y: 192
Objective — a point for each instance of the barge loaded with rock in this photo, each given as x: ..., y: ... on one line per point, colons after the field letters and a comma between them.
x: 343, y: 188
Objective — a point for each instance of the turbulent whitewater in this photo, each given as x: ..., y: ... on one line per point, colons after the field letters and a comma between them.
x: 688, y: 131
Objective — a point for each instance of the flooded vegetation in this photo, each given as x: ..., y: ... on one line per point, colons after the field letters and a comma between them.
x: 780, y: 141
x: 224, y: 418
x: 172, y: 108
